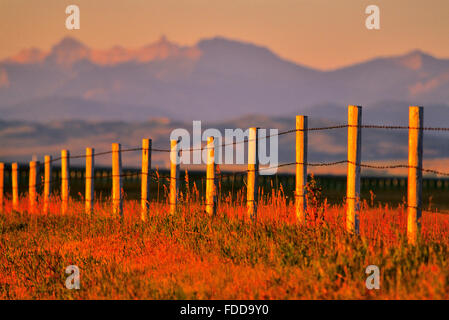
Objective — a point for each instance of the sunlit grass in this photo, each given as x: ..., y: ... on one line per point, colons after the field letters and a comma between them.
x: 193, y: 256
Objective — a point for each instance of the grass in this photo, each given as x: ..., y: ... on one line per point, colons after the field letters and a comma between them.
x: 194, y: 256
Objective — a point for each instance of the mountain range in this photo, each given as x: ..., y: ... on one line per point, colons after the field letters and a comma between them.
x: 214, y: 80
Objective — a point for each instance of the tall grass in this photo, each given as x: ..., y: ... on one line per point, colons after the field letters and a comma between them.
x: 190, y: 255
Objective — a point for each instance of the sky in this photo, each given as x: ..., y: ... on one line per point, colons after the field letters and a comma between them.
x: 323, y: 34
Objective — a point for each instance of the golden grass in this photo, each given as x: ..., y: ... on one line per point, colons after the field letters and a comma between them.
x: 193, y: 256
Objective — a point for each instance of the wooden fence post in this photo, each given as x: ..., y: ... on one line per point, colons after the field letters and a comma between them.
x: 415, y: 158
x: 32, y: 185
x: 145, y: 178
x: 174, y: 174
x: 47, y: 182
x: 353, y: 177
x: 15, y: 185
x: 253, y: 172
x: 117, y: 202
x: 65, y: 180
x: 210, y: 178
x: 2, y: 179
x: 301, y: 169
x: 89, y: 192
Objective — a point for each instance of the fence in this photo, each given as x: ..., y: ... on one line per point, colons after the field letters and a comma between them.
x: 353, y: 178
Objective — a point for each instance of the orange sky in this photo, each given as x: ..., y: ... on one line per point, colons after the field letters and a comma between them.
x: 318, y: 33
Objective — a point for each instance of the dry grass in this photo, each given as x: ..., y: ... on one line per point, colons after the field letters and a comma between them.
x: 193, y: 256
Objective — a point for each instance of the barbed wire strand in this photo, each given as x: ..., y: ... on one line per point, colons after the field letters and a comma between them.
x: 381, y: 167
x: 245, y: 140
x: 156, y: 177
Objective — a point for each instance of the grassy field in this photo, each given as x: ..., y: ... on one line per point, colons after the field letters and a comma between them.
x: 193, y: 256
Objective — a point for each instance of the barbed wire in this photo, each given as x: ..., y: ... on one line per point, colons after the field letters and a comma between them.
x: 157, y: 177
x: 363, y: 165
x: 371, y: 126
x: 342, y: 126
x: 246, y: 140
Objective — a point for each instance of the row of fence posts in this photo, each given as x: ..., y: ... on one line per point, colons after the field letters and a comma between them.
x: 353, y: 175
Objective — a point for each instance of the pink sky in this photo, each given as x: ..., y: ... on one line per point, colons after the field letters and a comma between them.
x: 317, y: 33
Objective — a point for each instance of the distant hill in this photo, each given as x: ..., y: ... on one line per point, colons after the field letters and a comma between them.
x: 215, y: 79
x: 73, y: 108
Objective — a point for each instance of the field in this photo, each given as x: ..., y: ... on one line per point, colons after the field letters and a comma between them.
x: 190, y: 255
